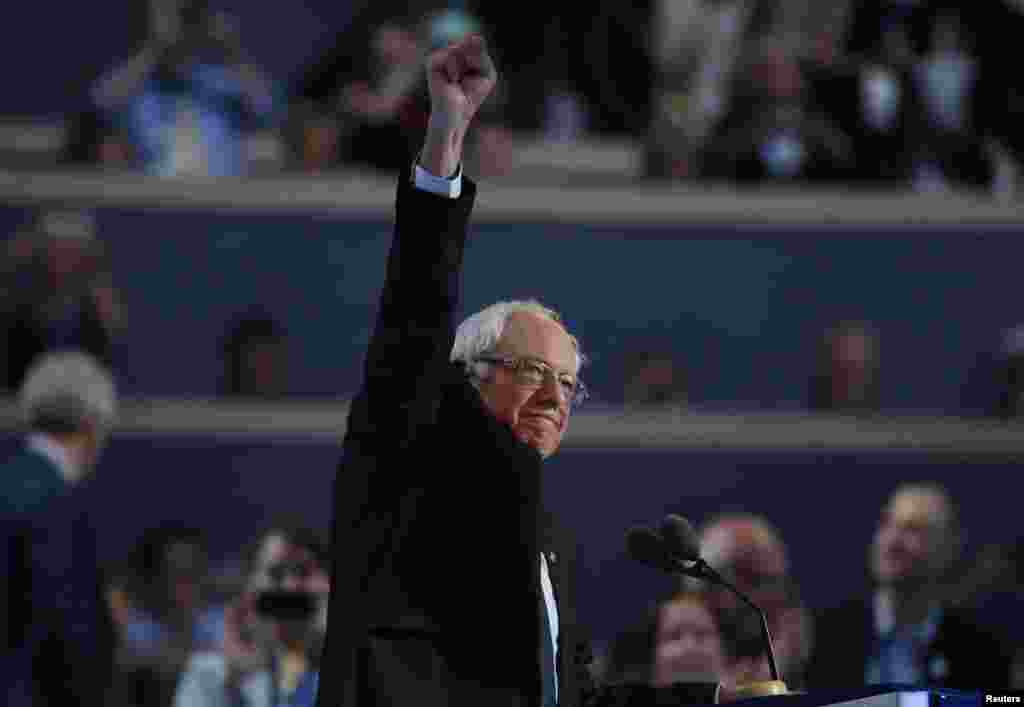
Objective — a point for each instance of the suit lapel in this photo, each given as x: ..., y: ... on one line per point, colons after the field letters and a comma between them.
x: 550, y: 547
x: 555, y: 573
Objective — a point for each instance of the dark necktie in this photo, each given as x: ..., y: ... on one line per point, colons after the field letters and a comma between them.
x: 547, y: 654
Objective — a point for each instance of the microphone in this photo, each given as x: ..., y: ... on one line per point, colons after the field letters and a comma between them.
x: 648, y: 548
x: 680, y: 537
x: 676, y: 550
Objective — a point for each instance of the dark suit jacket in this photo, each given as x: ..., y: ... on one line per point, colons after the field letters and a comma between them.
x: 962, y: 656
x: 58, y: 637
x: 438, y: 518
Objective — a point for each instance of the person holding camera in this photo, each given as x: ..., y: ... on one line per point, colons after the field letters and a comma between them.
x: 272, y: 633
x: 186, y: 100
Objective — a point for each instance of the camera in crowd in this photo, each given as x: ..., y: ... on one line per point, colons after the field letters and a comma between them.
x: 286, y: 605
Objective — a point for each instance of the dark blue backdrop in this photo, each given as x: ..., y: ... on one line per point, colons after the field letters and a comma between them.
x: 742, y: 306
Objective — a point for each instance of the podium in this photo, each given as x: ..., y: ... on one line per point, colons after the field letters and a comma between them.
x: 881, y: 696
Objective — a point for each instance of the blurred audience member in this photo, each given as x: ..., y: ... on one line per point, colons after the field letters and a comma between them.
x: 847, y: 377
x: 187, y: 100
x: 273, y: 632
x: 256, y: 357
x: 678, y: 642
x: 167, y: 615
x: 697, y: 48
x: 687, y: 643
x: 384, y: 113
x: 366, y: 103
x: 748, y: 551
x: 947, y: 78
x: 355, y: 103
x: 654, y: 379
x: 56, y: 293
x: 905, y: 632
x: 58, y: 635
x: 1010, y: 383
x: 994, y: 382
x: 972, y: 98
x: 91, y: 138
x: 874, y: 99
x: 774, y: 132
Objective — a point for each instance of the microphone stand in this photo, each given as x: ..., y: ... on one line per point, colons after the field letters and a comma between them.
x: 700, y: 569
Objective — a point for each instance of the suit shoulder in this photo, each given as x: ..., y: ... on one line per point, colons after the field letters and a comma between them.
x: 29, y: 482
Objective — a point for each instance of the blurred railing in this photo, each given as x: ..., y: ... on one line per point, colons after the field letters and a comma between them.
x: 584, y: 182
x: 603, y: 428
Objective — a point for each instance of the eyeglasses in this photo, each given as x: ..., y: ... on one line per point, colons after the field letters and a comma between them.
x: 534, y: 373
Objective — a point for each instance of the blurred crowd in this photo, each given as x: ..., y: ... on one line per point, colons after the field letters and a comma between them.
x: 913, y: 94
x: 916, y: 622
x: 908, y: 93
x: 171, y: 628
x: 180, y: 630
x: 186, y: 632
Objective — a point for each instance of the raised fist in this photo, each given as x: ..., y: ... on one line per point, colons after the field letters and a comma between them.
x: 460, y: 76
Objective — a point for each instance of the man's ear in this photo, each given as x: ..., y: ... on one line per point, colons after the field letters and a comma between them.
x: 477, y: 371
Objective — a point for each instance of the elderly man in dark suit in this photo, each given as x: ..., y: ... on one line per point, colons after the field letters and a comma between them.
x: 58, y: 639
x: 450, y: 584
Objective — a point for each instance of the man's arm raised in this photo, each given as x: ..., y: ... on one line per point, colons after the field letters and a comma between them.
x: 408, y: 353
x: 460, y: 77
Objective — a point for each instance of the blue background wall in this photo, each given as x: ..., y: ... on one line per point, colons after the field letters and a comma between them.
x: 742, y: 306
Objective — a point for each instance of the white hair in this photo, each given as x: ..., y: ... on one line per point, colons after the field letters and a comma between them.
x: 65, y: 390
x: 480, y: 333
x: 725, y: 534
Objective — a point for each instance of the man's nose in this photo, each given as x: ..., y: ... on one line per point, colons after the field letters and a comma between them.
x: 551, y: 390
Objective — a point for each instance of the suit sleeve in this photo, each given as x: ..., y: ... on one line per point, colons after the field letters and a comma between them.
x: 14, y: 612
x: 407, y: 357
x: 72, y: 639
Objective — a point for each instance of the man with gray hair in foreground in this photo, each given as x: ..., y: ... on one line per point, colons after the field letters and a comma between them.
x: 451, y: 586
x: 58, y: 637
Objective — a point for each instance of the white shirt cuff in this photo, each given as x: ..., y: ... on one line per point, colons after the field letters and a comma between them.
x: 442, y: 186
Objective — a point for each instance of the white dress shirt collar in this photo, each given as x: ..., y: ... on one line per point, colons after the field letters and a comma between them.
x: 55, y: 453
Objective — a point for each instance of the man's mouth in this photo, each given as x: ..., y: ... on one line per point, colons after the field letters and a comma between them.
x: 540, y: 417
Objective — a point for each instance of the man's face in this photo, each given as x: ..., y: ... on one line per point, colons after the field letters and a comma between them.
x: 688, y: 644
x: 66, y: 257
x: 290, y: 568
x: 185, y: 569
x: 538, y: 415
x: 907, y: 548
x: 756, y: 564
x: 264, y: 367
